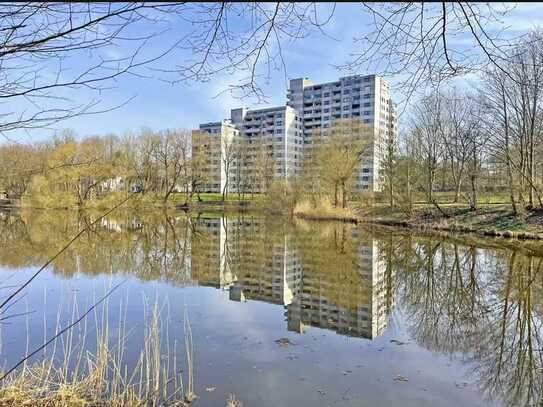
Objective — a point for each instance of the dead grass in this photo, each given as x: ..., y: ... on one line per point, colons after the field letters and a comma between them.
x: 323, y: 210
x: 82, y: 378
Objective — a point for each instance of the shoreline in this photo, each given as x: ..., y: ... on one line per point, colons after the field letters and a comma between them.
x: 488, y: 221
x: 456, y: 229
x: 460, y: 221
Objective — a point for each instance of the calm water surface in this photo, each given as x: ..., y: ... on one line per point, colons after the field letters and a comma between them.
x: 288, y: 313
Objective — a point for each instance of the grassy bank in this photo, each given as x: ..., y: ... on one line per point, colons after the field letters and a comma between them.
x: 495, y: 220
x: 142, y: 201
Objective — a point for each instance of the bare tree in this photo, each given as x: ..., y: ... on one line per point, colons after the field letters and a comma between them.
x: 428, y: 43
x: 427, y: 147
x: 514, y: 119
x: 477, y: 149
x: 228, y: 155
x: 172, y: 155
x: 337, y: 156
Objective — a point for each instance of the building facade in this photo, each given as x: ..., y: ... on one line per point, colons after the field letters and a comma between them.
x: 365, y: 98
x: 274, y: 140
x: 212, y: 143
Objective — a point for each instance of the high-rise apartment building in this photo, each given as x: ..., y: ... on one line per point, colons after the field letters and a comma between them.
x: 275, y: 139
x: 366, y: 98
x: 211, y: 143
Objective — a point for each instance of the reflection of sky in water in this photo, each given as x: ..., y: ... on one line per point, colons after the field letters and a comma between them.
x: 235, y: 348
x: 236, y: 353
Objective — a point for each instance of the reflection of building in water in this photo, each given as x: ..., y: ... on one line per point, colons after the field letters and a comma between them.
x: 209, y: 253
x: 119, y: 226
x: 238, y: 254
x: 268, y: 271
x: 352, y: 298
x: 354, y: 301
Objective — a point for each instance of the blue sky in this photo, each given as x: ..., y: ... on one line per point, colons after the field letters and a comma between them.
x: 157, y: 104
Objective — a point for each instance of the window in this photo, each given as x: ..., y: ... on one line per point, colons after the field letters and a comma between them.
x: 367, y: 104
x: 326, y: 94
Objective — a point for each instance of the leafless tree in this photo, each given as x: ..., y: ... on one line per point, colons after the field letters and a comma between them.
x: 514, y: 118
x: 428, y: 43
x: 172, y: 154
x: 50, y: 51
x: 427, y: 145
x: 228, y: 148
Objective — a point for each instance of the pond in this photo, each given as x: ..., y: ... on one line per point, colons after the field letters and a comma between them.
x: 277, y: 312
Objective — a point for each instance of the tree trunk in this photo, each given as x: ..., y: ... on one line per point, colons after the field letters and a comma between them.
x: 473, y: 203
x: 507, y: 155
x: 343, y: 195
x: 224, y: 191
x: 391, y: 191
x: 409, y: 197
x: 457, y: 191
x: 430, y: 185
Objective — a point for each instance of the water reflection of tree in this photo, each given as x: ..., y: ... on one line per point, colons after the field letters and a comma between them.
x: 330, y: 257
x: 149, y: 246
x: 482, y: 304
x: 347, y: 268
x: 511, y: 355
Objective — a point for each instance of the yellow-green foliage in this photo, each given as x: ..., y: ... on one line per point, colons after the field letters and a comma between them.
x: 43, y: 195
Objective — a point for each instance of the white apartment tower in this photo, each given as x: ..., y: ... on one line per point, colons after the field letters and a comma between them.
x: 276, y: 130
x: 272, y: 137
x: 352, y: 97
x: 284, y: 132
